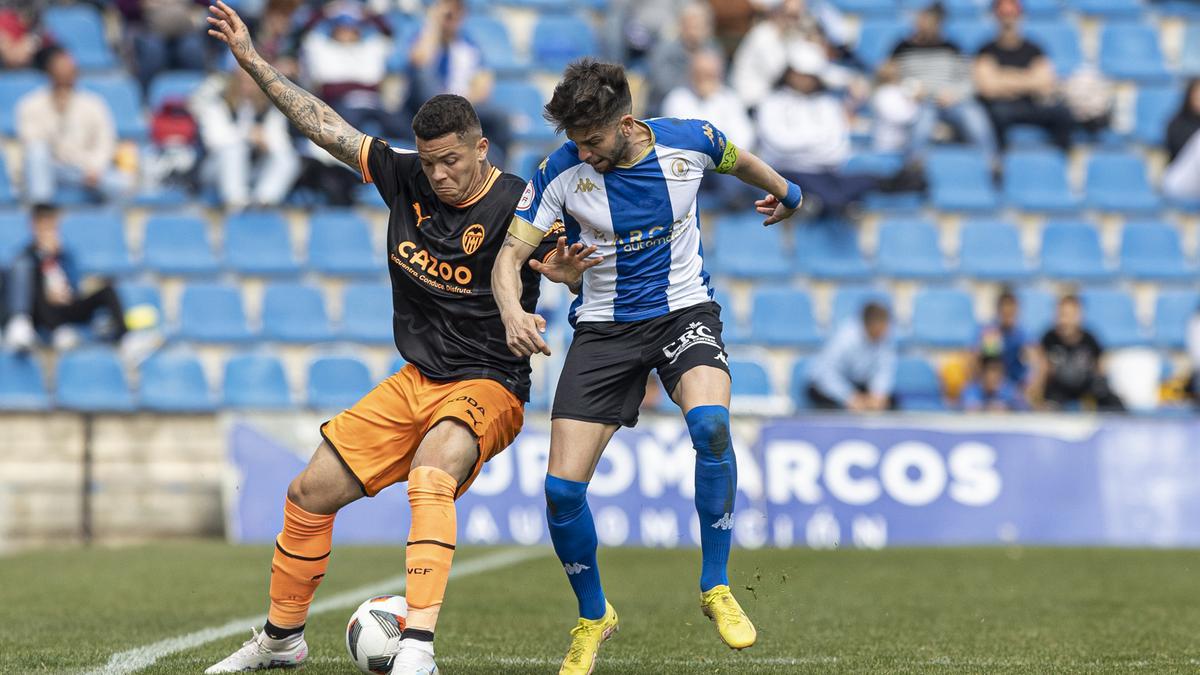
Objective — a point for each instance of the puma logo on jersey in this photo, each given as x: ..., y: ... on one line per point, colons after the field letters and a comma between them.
x: 586, y: 185
x: 725, y: 523
x: 420, y: 218
x: 574, y: 568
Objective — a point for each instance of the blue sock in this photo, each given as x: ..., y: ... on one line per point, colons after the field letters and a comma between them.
x: 574, y: 537
x: 716, y: 487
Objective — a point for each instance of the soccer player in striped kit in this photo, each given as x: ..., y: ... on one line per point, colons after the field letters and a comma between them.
x: 628, y: 187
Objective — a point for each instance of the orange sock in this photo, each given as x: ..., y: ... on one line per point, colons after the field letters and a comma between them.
x: 431, y: 542
x: 301, y: 556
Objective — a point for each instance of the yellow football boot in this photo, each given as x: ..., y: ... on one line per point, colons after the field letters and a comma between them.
x: 585, y: 642
x: 732, y: 623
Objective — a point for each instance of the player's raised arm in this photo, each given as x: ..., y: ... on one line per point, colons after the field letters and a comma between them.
x: 310, y: 114
x: 783, y: 196
x: 523, y: 329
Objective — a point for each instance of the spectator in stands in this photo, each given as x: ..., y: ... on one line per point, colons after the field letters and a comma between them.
x: 166, y: 35
x: 19, y: 41
x: 251, y: 157
x: 67, y: 135
x: 673, y: 59
x: 933, y: 85
x: 991, y: 390
x: 1016, y: 81
x: 443, y: 61
x: 856, y: 369
x: 1069, y: 364
x: 44, y: 297
x: 1004, y: 339
x: 633, y: 27
x: 1181, y: 179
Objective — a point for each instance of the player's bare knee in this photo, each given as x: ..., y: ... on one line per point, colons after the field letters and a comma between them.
x: 451, y: 447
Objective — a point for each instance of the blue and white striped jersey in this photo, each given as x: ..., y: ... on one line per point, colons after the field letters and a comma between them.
x: 642, y: 217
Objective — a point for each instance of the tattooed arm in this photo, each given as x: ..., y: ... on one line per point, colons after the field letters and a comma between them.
x: 310, y: 114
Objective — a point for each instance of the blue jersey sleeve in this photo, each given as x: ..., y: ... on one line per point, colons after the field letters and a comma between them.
x: 698, y: 136
x: 541, y: 205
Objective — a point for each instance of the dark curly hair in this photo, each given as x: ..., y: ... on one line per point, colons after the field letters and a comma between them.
x: 445, y: 114
x: 591, y: 94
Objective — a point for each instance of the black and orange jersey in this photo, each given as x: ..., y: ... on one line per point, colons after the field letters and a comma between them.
x: 440, y: 258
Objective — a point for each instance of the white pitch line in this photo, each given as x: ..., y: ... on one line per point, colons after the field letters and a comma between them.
x: 133, y: 660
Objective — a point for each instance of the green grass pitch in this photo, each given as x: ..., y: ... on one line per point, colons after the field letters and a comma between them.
x: 1002, y: 610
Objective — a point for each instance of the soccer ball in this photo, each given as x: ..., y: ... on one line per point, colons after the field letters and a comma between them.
x: 373, y: 634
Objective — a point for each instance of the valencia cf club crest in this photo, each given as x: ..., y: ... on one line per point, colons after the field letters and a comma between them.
x: 472, y: 239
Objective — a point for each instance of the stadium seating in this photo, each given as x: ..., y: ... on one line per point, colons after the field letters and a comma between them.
x: 1109, y: 9
x: 367, y: 313
x: 991, y: 249
x: 80, y: 29
x: 211, y: 312
x: 97, y: 241
x: 1037, y: 311
x: 970, y: 33
x: 560, y: 39
x: 1060, y: 40
x: 829, y: 250
x: 1152, y: 111
x: 877, y: 38
x: 749, y: 378
x: 783, y: 317
x: 1116, y: 181
x: 92, y: 380
x: 744, y: 248
x: 1110, y: 315
x: 1152, y: 250
x: 1189, y: 57
x: 124, y: 98
x: 798, y: 384
x: 867, y: 8
x: 339, y: 244
x: 1071, y: 250
x: 917, y: 385
x: 255, y: 382
x: 137, y: 295
x: 258, y: 243
x: 960, y: 180
x: 1036, y: 180
x: 22, y: 386
x: 943, y: 318
x: 1172, y: 311
x: 8, y: 191
x: 175, y: 382
x: 337, y: 382
x: 1130, y: 51
x: 523, y: 102
x: 15, y: 84
x: 491, y: 36
x: 177, y: 244
x: 908, y: 249
x: 294, y: 313
x: 848, y: 303
x: 14, y: 235
x: 178, y: 85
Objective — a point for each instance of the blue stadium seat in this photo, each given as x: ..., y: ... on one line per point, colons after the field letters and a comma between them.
x: 1152, y: 250
x: 1109, y: 9
x: 917, y: 385
x: 8, y: 193
x: 14, y: 235
x: 970, y: 33
x: 749, y: 378
x: 1187, y: 9
x: 960, y: 180
x: 1036, y: 180
x: 490, y: 35
x: 135, y: 295
x: 1042, y: 9
x: 258, y: 243
x: 337, y: 382
x: 1173, y: 309
x: 560, y: 39
x: 1130, y: 51
x: 14, y: 85
x: 97, y: 240
x: 339, y: 244
x: 92, y: 380
x: 783, y: 317
x: 173, y: 84
x: 943, y: 317
x: 848, y: 303
x: 991, y: 249
x: 746, y: 249
x: 829, y: 250
x: 798, y: 384
x: 1153, y: 110
x: 1071, y: 250
x: 396, y: 365
x: 294, y: 313
x: 957, y: 9
x: 878, y: 37
x: 867, y: 8
x: 80, y: 29
x: 1189, y: 57
x: 256, y: 381
x: 178, y: 244
x: 1036, y: 312
x: 211, y: 312
x: 1116, y: 181
x: 175, y: 382
x: 367, y: 313
x: 872, y: 163
x: 909, y: 249
x: 523, y: 102
x: 21, y: 384
x: 1060, y: 40
x: 405, y: 30
x: 124, y: 98
x: 1110, y: 315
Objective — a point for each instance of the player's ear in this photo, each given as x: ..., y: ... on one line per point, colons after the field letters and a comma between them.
x: 628, y: 123
x: 481, y: 148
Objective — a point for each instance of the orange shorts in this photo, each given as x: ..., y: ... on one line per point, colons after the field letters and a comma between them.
x: 378, y: 437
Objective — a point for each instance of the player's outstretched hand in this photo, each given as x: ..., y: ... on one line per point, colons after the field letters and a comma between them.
x: 229, y: 28
x: 568, y: 263
x: 523, y: 333
x: 773, y: 209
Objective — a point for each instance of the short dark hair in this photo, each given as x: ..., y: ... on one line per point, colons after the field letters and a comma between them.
x: 874, y: 311
x: 1069, y: 299
x: 990, y: 361
x: 1006, y: 295
x: 445, y: 114
x: 43, y: 56
x: 591, y: 94
x: 937, y: 9
x: 42, y: 210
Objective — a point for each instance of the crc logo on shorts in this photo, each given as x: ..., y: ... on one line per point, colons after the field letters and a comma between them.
x: 472, y: 239
x: 679, y: 168
x: 696, y: 334
x: 527, y: 196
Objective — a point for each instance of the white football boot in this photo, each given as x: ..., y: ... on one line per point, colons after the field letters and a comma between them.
x: 261, y: 652
x: 414, y: 658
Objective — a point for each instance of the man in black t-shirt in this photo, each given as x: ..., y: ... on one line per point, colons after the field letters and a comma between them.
x: 1070, y: 363
x: 1017, y: 83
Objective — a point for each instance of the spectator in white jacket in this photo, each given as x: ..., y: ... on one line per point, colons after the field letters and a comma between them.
x: 761, y: 57
x: 251, y: 157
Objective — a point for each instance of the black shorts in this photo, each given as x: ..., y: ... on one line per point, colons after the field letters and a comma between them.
x: 604, y: 377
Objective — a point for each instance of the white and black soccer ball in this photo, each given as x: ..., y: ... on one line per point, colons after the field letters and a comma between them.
x: 373, y: 634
